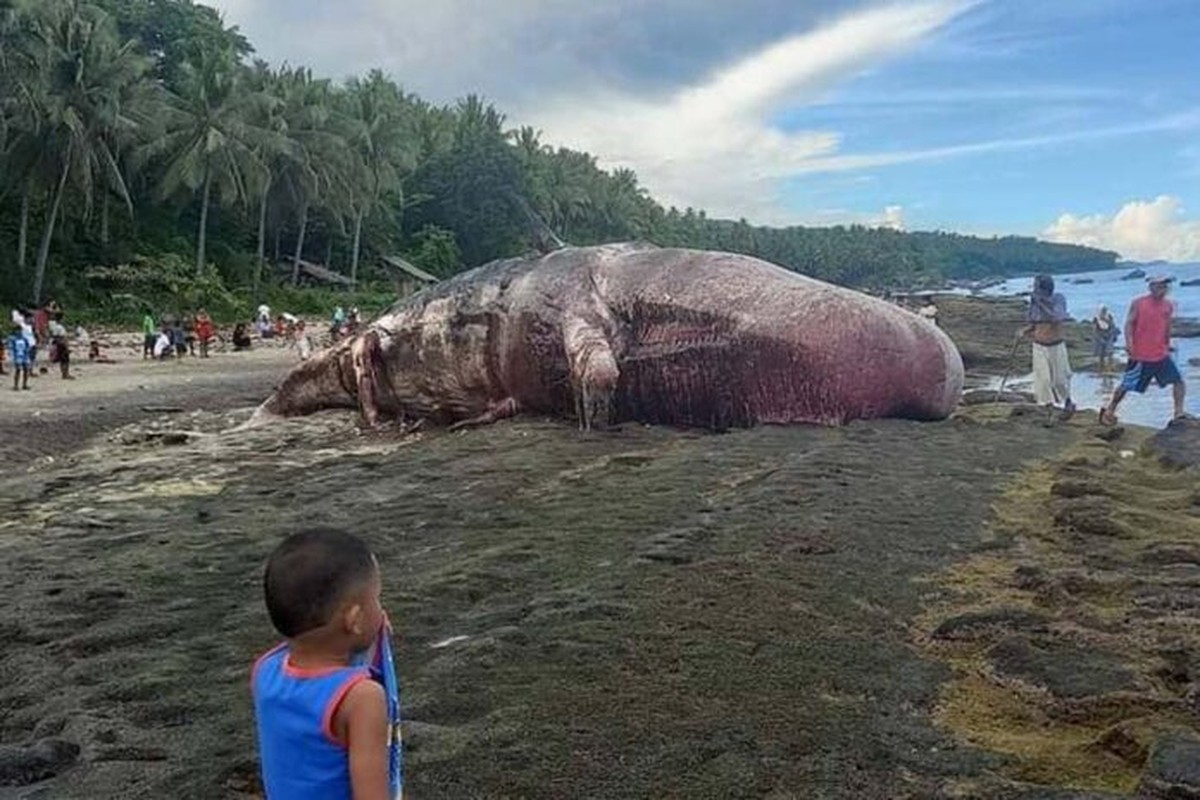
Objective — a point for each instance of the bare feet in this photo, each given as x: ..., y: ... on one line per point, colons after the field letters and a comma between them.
x: 1107, y: 417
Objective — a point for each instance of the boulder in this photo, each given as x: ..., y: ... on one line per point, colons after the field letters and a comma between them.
x: 1185, y: 328
x: 1178, y: 445
x: 978, y: 624
x: 1090, y: 516
x: 1173, y: 770
x: 1065, y: 671
x: 21, y: 766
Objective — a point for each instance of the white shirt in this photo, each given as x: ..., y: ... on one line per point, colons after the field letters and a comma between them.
x: 162, y: 345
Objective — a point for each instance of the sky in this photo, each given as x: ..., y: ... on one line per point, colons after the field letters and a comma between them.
x: 1073, y: 120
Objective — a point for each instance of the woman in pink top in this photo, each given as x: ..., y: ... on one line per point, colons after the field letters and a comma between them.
x: 1148, y: 339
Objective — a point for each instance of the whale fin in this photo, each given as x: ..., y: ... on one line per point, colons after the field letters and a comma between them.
x: 505, y: 409
x: 593, y: 369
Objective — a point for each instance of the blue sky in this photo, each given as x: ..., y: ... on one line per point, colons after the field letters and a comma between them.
x: 1074, y: 120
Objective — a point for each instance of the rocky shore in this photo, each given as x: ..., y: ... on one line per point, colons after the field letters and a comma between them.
x: 995, y: 606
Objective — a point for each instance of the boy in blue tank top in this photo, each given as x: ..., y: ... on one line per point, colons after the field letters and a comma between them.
x: 323, y: 729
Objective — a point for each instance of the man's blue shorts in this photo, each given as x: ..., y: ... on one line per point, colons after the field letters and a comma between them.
x: 1139, y: 374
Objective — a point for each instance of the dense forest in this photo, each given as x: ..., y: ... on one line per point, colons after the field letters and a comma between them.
x: 142, y: 145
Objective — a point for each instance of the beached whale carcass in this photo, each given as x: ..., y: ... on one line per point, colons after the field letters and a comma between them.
x: 634, y: 332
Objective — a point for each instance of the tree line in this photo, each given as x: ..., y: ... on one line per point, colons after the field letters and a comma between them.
x: 137, y: 129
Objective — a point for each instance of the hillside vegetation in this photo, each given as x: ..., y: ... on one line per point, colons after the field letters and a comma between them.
x: 142, y: 136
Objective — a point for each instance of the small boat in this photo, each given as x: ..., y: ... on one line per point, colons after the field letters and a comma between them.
x: 1134, y: 275
x: 1081, y: 281
x: 1192, y: 282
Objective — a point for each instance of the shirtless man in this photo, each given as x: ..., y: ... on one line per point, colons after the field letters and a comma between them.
x: 1051, y: 364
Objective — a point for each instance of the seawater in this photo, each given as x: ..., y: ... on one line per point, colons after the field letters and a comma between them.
x: 1092, y: 390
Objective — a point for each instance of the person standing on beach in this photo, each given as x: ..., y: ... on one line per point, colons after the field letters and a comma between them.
x: 1148, y: 340
x: 61, y: 346
x: 1051, y: 363
x: 1104, y: 338
x: 149, y: 335
x: 205, y: 331
x: 19, y: 351
x: 30, y: 336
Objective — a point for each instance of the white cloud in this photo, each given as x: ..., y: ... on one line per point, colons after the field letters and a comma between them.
x: 617, y: 78
x: 712, y: 145
x: 1143, y: 230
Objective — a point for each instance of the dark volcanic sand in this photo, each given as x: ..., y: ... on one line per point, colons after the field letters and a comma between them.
x: 648, y: 613
x: 56, y: 417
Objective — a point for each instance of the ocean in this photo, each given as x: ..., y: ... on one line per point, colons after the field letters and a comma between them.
x: 1091, y: 390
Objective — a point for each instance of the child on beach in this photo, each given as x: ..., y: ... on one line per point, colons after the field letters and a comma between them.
x: 323, y: 720
x: 178, y: 337
x: 302, y: 342
x: 205, y: 331
x: 19, y: 350
x: 61, y: 346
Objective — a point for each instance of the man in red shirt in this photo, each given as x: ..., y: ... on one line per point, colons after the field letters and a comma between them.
x: 1148, y: 340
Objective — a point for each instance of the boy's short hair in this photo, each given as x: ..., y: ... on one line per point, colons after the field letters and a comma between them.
x: 309, y: 573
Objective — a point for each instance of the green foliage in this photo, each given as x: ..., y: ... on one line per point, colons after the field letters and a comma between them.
x: 161, y: 284
x: 435, y: 251
x: 138, y: 127
x: 321, y: 302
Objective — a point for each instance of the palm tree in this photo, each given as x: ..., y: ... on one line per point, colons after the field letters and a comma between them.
x: 87, y: 76
x: 273, y: 148
x: 381, y: 133
x: 19, y: 144
x: 318, y: 174
x: 210, y: 144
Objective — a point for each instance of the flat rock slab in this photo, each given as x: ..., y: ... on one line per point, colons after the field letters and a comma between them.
x: 1061, y: 794
x: 22, y: 766
x: 1090, y: 516
x: 979, y: 624
x: 1067, y: 672
x: 981, y: 397
x: 1178, y: 444
x: 1009, y: 790
x: 1185, y: 328
x: 1173, y: 772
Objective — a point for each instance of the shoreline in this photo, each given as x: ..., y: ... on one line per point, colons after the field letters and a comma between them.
x: 667, y: 601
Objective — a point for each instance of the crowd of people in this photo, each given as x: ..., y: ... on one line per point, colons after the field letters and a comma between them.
x: 39, y: 337
x: 180, y: 335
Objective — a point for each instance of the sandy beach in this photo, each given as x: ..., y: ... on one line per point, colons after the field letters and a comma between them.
x: 862, y: 612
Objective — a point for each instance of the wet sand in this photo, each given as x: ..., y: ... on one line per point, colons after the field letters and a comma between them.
x: 56, y: 417
x: 642, y: 612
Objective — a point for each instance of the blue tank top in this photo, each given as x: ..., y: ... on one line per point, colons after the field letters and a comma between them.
x: 294, y: 708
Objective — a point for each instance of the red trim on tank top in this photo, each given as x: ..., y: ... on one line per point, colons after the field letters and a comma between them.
x: 258, y: 661
x: 335, y: 702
